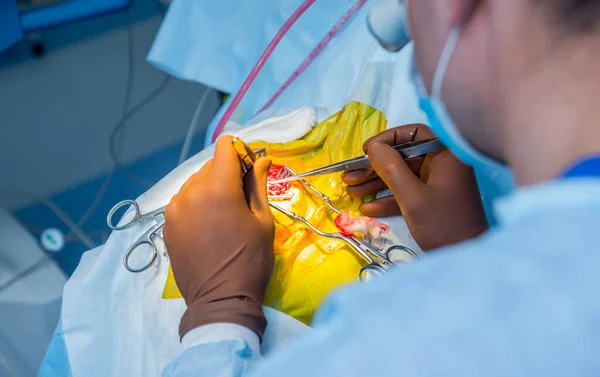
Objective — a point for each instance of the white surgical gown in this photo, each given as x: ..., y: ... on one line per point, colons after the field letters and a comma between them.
x: 521, y: 300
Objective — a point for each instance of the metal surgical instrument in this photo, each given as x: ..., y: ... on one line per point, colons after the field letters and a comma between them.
x: 378, y: 261
x: 407, y: 150
x: 149, y: 238
x: 246, y: 158
x: 146, y: 239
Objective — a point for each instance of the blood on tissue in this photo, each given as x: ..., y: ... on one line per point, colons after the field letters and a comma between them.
x: 278, y: 172
x: 365, y: 226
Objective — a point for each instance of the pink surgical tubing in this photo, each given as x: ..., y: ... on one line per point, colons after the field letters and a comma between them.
x: 317, y: 50
x: 261, y: 62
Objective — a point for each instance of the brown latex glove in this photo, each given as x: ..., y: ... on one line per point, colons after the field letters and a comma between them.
x: 219, y: 236
x: 437, y: 194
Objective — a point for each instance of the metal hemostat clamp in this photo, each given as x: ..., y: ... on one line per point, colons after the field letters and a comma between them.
x: 245, y: 158
x: 379, y: 260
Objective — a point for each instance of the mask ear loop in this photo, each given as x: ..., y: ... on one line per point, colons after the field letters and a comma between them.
x: 447, y: 52
x: 442, y: 67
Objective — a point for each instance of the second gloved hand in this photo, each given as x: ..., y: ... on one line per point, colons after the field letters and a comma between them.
x: 437, y: 195
x: 219, y: 236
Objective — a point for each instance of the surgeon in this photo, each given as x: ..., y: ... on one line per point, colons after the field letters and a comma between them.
x: 515, y: 82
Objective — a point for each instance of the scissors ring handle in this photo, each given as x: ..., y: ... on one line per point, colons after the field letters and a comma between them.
x: 400, y: 249
x: 132, y: 249
x: 370, y: 269
x: 118, y: 206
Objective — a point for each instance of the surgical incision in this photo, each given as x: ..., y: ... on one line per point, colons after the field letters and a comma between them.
x: 278, y: 172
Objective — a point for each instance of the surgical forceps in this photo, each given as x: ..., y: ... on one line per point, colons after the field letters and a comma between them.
x: 406, y: 150
x: 378, y: 261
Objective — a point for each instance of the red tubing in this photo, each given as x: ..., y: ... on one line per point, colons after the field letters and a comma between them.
x: 317, y: 50
x: 261, y: 62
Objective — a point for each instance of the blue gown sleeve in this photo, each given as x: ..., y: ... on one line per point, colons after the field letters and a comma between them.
x: 56, y: 360
x: 226, y: 358
x: 220, y: 349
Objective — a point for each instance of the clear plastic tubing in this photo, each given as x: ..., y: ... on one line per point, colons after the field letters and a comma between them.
x: 261, y: 62
x: 317, y: 50
x: 271, y: 47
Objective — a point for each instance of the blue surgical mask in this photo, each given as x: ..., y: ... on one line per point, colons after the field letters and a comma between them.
x: 494, y: 179
x: 437, y: 114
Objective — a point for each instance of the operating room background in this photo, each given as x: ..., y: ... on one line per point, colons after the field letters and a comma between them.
x: 57, y: 113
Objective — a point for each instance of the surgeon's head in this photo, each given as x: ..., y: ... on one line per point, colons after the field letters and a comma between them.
x: 499, y: 60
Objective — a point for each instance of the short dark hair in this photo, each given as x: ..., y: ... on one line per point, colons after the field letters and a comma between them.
x: 578, y: 15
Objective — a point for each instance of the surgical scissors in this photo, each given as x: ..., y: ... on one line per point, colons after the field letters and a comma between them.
x: 147, y: 239
x: 406, y: 150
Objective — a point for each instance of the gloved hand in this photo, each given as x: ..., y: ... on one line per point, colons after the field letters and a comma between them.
x: 437, y: 195
x: 219, y: 236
